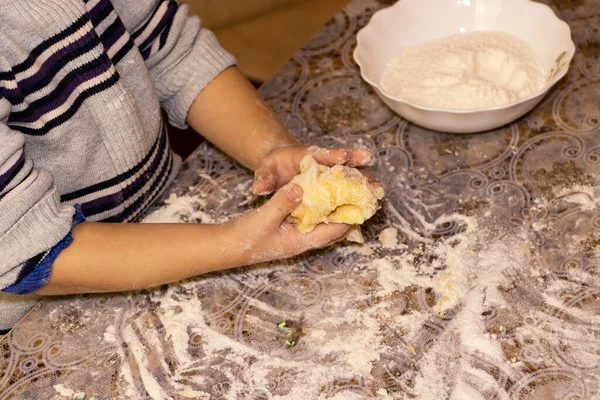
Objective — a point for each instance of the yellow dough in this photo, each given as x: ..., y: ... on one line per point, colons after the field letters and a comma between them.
x: 337, y: 194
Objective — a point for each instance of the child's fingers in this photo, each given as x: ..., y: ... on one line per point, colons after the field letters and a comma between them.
x: 325, y: 234
x: 350, y: 157
x: 282, y: 204
x: 360, y: 157
x: 265, y: 181
x: 329, y: 156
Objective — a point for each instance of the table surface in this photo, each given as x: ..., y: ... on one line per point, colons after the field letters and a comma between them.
x: 492, y: 292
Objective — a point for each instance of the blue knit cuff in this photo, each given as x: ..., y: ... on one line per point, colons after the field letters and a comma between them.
x: 40, y: 275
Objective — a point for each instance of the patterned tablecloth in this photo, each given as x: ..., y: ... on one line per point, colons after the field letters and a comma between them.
x: 492, y: 291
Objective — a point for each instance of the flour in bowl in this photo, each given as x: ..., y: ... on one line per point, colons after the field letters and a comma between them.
x: 464, y: 72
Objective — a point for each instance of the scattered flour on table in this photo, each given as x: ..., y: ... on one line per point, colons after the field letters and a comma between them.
x: 465, y: 71
x: 66, y: 392
x: 364, y: 249
x: 152, y: 386
x: 347, y: 395
x: 585, y: 196
x: 110, y: 335
x: 465, y: 273
x: 180, y: 209
x: 468, y: 284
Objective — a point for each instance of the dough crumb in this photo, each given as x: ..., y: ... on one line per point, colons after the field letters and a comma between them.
x: 355, y: 235
x: 194, y: 394
x: 361, y: 249
x: 389, y: 237
x: 337, y: 194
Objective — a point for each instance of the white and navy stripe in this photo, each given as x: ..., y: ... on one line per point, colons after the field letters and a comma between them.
x: 126, y: 196
x: 10, y: 170
x: 85, y: 53
x: 89, y: 49
x: 114, y: 37
x: 152, y: 35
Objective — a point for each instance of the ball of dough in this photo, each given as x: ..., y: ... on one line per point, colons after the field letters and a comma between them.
x: 337, y: 194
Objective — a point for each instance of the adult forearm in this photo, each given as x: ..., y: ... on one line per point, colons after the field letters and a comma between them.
x: 118, y: 257
x: 230, y: 114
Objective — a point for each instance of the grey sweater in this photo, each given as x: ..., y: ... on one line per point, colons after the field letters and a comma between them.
x: 81, y: 136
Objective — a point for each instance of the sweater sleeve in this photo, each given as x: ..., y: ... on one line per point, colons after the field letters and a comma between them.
x: 34, y: 226
x: 182, y: 56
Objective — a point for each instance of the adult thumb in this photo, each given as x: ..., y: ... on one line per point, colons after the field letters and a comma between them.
x: 283, y: 202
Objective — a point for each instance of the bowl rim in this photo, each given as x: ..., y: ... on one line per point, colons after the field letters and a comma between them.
x: 541, y: 92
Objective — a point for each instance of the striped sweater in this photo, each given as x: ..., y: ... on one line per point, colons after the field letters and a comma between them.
x: 81, y: 136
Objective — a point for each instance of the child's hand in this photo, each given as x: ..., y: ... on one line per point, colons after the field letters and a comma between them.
x: 280, y: 165
x: 263, y: 235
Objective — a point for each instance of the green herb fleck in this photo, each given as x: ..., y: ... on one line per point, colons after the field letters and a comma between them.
x: 290, y: 343
x: 93, y: 398
x: 390, y: 390
x: 281, y: 324
x: 81, y: 396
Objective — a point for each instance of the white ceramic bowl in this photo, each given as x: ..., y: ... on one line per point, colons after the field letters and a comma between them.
x: 411, y: 22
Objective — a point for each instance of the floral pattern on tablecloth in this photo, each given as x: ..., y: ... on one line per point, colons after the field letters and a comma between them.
x: 492, y: 291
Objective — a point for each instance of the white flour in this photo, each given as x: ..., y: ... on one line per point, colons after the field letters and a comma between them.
x: 180, y: 209
x: 65, y: 392
x: 468, y: 284
x: 463, y: 72
x: 466, y: 275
